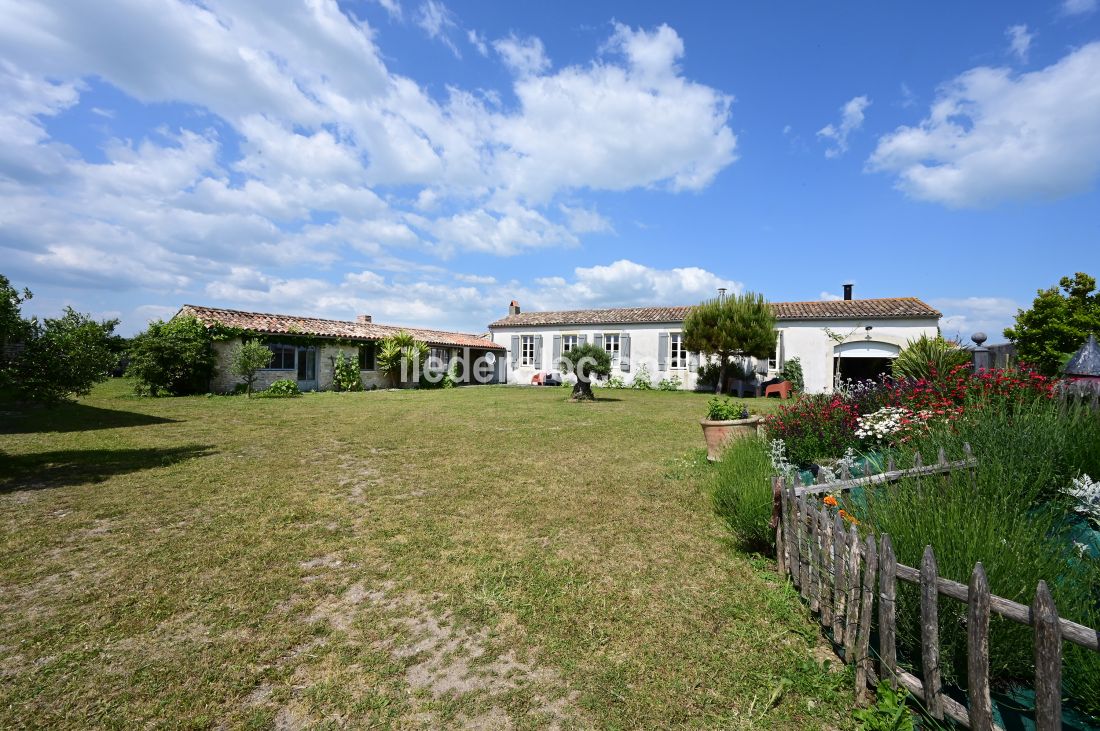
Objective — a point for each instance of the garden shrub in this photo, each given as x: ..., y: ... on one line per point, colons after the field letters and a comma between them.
x: 741, y: 491
x: 62, y: 357
x: 725, y: 409
x: 927, y: 357
x: 172, y: 358
x: 669, y: 384
x: 247, y: 359
x: 642, y: 380
x: 1017, y: 543
x: 283, y: 388
x: 792, y: 371
x: 815, y: 426
x: 345, y: 373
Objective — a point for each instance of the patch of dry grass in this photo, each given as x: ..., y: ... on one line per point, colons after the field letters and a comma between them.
x: 485, y: 557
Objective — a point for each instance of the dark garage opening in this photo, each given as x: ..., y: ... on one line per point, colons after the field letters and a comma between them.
x: 862, y: 369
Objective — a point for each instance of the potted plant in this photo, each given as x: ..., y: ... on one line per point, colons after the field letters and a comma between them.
x: 726, y: 421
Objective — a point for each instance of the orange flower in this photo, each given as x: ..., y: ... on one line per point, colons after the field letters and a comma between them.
x: 830, y: 501
x: 848, y: 517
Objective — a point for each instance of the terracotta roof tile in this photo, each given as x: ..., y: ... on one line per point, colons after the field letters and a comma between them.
x: 263, y: 322
x: 891, y: 308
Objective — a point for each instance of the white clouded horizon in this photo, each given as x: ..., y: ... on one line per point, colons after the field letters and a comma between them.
x: 300, y: 146
x: 992, y: 135
x: 964, y: 316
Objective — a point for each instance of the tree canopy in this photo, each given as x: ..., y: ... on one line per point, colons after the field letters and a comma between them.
x: 1058, y: 322
x: 585, y: 362
x: 248, y: 358
x: 737, y: 325
x: 172, y: 358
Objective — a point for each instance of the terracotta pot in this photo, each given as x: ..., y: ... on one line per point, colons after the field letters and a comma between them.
x: 720, y: 433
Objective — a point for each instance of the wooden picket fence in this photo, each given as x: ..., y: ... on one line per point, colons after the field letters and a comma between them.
x: 838, y: 574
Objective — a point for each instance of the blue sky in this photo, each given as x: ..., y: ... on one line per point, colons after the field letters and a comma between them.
x: 426, y: 162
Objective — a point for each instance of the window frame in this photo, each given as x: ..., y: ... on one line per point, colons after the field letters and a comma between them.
x: 609, y: 338
x: 568, y: 342
x: 677, y: 352
x: 284, y: 347
x: 372, y: 347
x: 527, y: 351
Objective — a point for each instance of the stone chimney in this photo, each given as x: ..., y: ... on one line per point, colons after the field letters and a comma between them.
x: 513, y: 308
x: 847, y: 292
x: 363, y: 319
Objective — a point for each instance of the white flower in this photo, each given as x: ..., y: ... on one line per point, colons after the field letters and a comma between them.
x: 1087, y: 493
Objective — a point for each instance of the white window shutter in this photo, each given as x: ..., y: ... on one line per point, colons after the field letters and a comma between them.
x: 597, y: 340
x: 538, y: 351
x: 662, y: 352
x: 515, y: 352
x: 582, y: 339
x: 624, y: 352
x: 557, y: 350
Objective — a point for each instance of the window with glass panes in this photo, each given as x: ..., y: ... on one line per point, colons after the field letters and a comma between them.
x: 441, y: 356
x: 611, y: 345
x: 773, y: 359
x: 282, y: 357
x: 366, y: 357
x: 568, y: 342
x: 527, y: 350
x: 678, y: 357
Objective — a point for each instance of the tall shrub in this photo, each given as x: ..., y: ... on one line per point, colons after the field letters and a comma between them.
x: 400, y: 355
x: 814, y: 426
x: 741, y: 492
x: 345, y: 373
x: 247, y: 359
x: 172, y: 358
x: 928, y: 358
x: 63, y: 357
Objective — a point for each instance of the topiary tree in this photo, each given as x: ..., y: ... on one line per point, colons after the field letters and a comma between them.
x: 173, y: 358
x: 399, y: 356
x: 62, y: 357
x: 928, y: 357
x: 584, y: 362
x: 1057, y: 324
x: 741, y: 325
x: 247, y: 359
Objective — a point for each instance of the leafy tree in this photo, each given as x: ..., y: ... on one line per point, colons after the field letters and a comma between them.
x: 397, y: 355
x: 584, y: 362
x: 738, y: 325
x: 792, y: 371
x: 62, y: 357
x: 927, y: 357
x: 345, y: 373
x: 247, y: 359
x: 13, y: 328
x: 1057, y: 324
x: 172, y: 358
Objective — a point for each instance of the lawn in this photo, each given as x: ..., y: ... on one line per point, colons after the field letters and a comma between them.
x: 485, y: 557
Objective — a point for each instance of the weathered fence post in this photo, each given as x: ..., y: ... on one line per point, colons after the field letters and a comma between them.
x: 977, y: 651
x: 1048, y: 661
x: 803, y: 549
x: 815, y: 558
x: 851, y: 621
x: 840, y: 582
x: 795, y: 544
x: 887, y: 613
x: 777, y: 523
x: 825, y: 530
x: 863, y: 644
x: 930, y: 634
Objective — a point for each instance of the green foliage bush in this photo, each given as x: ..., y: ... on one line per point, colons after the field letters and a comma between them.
x: 247, y: 359
x: 792, y: 371
x: 642, y: 380
x: 172, y: 358
x: 400, y: 348
x: 928, y: 358
x: 345, y: 373
x: 669, y: 384
x: 890, y: 713
x: 741, y: 491
x: 62, y: 357
x: 283, y: 388
x: 725, y: 409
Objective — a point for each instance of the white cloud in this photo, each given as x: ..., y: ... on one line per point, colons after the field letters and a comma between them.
x: 393, y: 9
x: 477, y: 40
x: 525, y: 56
x: 585, y: 220
x: 851, y: 119
x: 1078, y: 7
x: 1019, y: 41
x: 992, y: 135
x: 964, y: 316
x: 829, y: 296
x: 438, y: 21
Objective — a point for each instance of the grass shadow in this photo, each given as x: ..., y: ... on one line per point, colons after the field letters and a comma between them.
x: 49, y: 470
x: 70, y: 417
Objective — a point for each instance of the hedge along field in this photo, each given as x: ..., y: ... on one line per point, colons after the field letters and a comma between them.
x: 491, y: 555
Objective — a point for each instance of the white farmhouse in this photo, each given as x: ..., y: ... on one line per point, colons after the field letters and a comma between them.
x: 855, y: 337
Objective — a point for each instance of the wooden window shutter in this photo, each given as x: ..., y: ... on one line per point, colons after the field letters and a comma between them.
x: 515, y: 351
x: 624, y: 352
x: 538, y: 351
x: 662, y: 352
x: 557, y: 351
x: 597, y: 340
